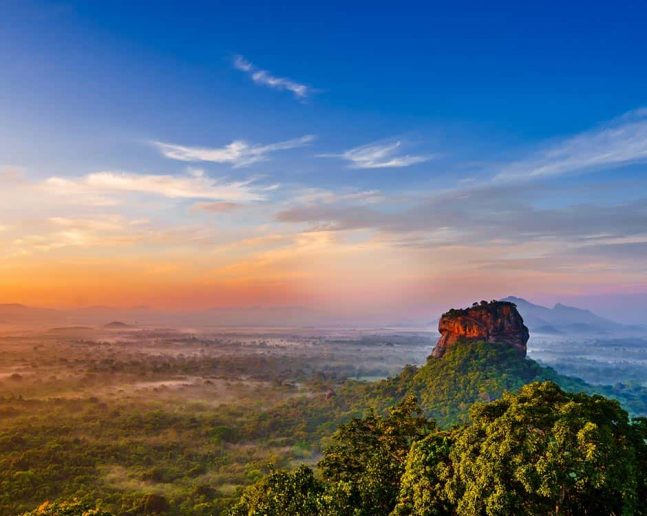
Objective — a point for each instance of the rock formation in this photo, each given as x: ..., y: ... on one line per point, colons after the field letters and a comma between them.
x: 496, y: 321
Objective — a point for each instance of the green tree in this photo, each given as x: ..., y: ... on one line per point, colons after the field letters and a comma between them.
x: 282, y: 493
x: 427, y: 471
x: 640, y: 440
x: 67, y: 508
x: 367, y: 456
x: 544, y: 451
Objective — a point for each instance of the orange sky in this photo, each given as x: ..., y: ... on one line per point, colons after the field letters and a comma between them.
x: 345, y: 273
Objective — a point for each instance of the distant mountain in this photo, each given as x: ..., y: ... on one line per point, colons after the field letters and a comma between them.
x: 18, y: 310
x: 13, y: 314
x: 562, y: 319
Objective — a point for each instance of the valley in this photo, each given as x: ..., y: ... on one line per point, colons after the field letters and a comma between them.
x: 119, y: 414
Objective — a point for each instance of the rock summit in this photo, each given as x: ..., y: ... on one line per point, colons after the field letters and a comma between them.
x: 492, y: 322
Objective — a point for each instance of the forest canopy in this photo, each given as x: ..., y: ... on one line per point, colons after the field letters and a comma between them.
x: 539, y: 451
x: 175, y: 446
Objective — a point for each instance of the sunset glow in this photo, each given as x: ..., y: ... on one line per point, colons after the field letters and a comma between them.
x: 270, y: 182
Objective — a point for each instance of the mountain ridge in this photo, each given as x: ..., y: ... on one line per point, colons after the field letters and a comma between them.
x: 564, y: 319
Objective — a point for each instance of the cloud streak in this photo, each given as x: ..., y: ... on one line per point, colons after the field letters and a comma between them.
x: 102, y: 231
x: 265, y: 78
x: 378, y: 155
x: 238, y: 153
x: 621, y: 142
x: 61, y: 232
x: 216, y: 207
x: 481, y: 216
x: 170, y: 186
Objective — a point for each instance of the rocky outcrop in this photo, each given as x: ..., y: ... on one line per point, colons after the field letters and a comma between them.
x: 496, y: 321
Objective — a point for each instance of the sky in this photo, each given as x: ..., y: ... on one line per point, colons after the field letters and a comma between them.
x: 374, y: 161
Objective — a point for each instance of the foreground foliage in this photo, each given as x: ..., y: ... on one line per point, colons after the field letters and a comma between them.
x: 67, y: 508
x: 541, y: 451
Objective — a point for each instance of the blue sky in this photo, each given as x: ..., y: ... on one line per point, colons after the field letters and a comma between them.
x: 455, y: 140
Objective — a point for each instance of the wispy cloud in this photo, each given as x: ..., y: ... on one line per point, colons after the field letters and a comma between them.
x: 622, y: 141
x: 265, y: 78
x: 216, y: 207
x: 192, y: 186
x: 379, y: 155
x: 60, y: 232
x: 488, y: 215
x: 103, y: 230
x: 324, y: 196
x: 238, y: 153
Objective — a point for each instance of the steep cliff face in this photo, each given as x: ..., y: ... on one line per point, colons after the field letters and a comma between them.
x: 496, y: 321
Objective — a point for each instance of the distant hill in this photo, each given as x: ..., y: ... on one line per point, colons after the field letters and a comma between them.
x: 13, y: 314
x: 117, y: 325
x: 18, y: 310
x: 563, y: 319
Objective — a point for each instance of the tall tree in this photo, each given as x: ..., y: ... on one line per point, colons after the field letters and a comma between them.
x: 545, y: 451
x: 369, y: 455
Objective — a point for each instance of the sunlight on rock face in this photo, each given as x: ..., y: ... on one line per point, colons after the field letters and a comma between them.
x: 494, y: 322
